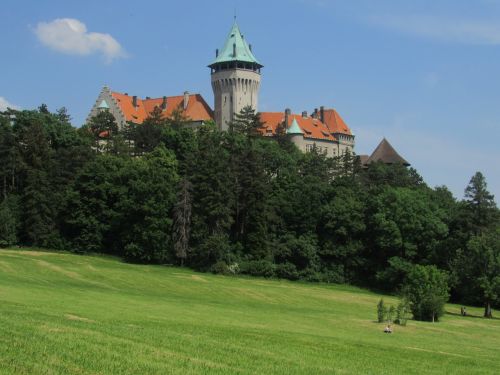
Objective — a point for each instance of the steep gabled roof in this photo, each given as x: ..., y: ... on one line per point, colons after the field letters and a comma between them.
x: 386, y: 154
x: 197, y: 109
x: 241, y: 47
x: 363, y: 159
x: 335, y: 123
x: 310, y: 127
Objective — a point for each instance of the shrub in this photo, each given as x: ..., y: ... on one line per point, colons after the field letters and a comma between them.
x: 220, y: 268
x: 426, y: 289
x: 233, y: 268
x: 390, y: 314
x: 258, y: 268
x: 402, y: 312
x: 381, y: 311
x: 287, y: 271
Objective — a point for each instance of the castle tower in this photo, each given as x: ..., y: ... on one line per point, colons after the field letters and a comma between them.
x: 235, y: 78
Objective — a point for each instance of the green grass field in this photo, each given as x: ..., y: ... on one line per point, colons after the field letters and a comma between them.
x: 68, y: 314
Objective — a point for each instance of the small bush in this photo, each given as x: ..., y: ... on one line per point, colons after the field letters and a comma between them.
x: 287, y: 271
x: 258, y: 268
x: 402, y: 312
x: 220, y: 268
x: 233, y: 268
x: 381, y: 311
x: 390, y: 313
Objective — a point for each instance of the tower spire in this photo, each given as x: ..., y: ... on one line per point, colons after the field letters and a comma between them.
x: 235, y: 77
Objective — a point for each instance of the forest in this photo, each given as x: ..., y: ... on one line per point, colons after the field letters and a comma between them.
x: 238, y: 203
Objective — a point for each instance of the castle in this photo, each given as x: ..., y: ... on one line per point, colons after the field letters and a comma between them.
x: 235, y: 77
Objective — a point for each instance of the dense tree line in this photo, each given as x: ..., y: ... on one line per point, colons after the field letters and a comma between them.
x: 235, y: 202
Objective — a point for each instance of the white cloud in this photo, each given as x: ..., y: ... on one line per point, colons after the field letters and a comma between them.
x: 4, y: 104
x: 69, y: 35
x: 443, y: 29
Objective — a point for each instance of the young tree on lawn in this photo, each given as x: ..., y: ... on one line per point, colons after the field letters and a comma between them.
x: 426, y: 288
x: 484, y: 259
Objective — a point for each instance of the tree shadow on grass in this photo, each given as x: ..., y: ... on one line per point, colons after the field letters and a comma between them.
x: 470, y: 316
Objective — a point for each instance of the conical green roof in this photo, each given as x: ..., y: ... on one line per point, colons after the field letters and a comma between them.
x: 294, y: 128
x: 235, y: 43
x: 103, y: 105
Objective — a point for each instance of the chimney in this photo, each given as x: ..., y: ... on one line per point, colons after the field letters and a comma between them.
x: 322, y: 114
x: 186, y: 99
x: 304, y: 114
x: 164, y: 103
x: 315, y: 114
x: 217, y: 52
x: 234, y: 49
x: 287, y: 114
x: 250, y: 46
x: 134, y: 100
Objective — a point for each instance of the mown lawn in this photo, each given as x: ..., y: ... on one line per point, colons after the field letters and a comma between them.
x: 68, y: 314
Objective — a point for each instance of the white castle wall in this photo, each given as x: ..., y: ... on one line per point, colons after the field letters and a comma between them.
x: 234, y: 89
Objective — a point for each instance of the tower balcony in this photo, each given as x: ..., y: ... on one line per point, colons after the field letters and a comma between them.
x: 232, y: 65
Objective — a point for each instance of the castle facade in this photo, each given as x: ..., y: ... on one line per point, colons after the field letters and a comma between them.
x: 235, y: 77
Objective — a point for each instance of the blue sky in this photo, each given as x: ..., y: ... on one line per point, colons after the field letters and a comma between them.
x: 424, y: 74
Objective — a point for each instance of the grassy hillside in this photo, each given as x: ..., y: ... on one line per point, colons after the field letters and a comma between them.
x: 63, y: 313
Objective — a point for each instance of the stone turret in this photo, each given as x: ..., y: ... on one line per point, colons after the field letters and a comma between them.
x: 235, y: 78
x: 295, y: 134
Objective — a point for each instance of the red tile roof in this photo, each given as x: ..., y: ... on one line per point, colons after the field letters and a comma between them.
x: 312, y: 127
x: 197, y: 109
x: 335, y: 122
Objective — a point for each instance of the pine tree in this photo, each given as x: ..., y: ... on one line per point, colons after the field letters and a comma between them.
x: 38, y: 215
x: 481, y: 203
x: 8, y: 225
x: 104, y: 127
x: 63, y: 116
x: 246, y: 122
x: 9, y: 157
x: 148, y: 134
x: 37, y: 207
x: 177, y: 119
